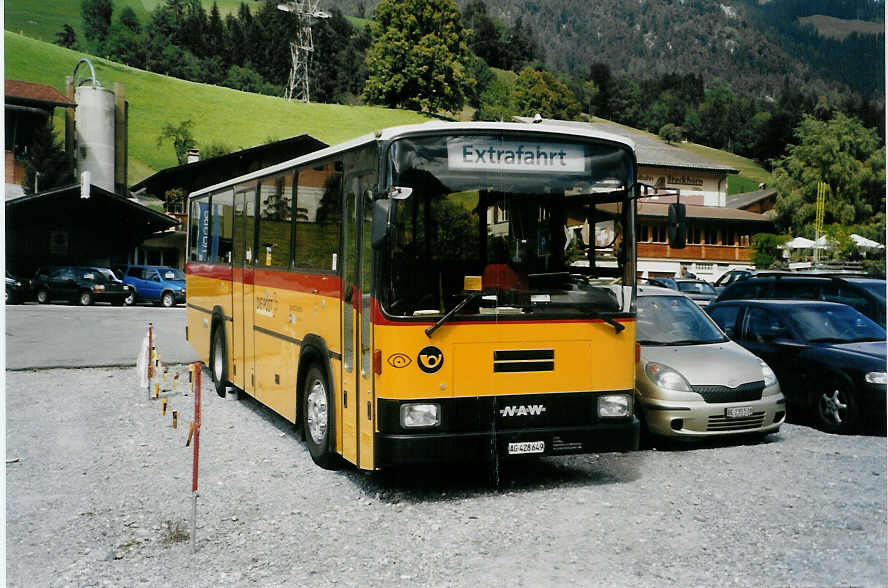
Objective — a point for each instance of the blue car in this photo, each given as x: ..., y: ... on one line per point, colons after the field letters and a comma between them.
x: 155, y: 283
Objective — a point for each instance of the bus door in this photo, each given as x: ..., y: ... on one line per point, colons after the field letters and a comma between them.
x: 242, y: 289
x: 358, y: 412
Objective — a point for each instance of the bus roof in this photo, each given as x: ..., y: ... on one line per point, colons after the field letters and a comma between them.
x: 429, y: 128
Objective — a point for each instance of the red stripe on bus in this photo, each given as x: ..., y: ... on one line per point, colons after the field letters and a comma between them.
x: 323, y: 284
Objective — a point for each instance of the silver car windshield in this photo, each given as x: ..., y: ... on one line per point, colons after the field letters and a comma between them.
x: 674, y: 320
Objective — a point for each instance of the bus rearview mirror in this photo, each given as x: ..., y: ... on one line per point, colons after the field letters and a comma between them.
x: 677, y: 227
x: 380, y: 228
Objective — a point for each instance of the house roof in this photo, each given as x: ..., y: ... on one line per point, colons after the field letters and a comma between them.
x: 749, y: 198
x: 18, y: 92
x: 207, y: 172
x: 693, y: 211
x: 650, y: 150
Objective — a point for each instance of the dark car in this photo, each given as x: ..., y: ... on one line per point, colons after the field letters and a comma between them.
x: 156, y: 283
x: 81, y: 285
x: 663, y: 283
x: 16, y: 289
x: 731, y: 276
x: 867, y: 295
x: 829, y: 358
x: 700, y: 291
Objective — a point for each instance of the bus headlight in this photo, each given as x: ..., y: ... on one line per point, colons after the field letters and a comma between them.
x: 614, y: 405
x: 416, y: 415
x: 876, y: 378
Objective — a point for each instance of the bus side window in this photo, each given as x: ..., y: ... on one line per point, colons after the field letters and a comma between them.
x: 275, y: 214
x: 223, y: 214
x: 198, y: 246
x: 317, y: 217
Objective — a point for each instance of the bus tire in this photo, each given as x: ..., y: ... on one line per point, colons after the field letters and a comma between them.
x: 317, y: 418
x: 219, y: 360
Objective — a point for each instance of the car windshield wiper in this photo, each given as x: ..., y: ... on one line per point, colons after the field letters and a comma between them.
x: 450, y: 313
x: 618, y: 327
x: 829, y: 340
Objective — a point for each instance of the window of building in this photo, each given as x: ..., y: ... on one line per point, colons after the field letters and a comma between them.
x: 710, y: 236
x: 275, y: 220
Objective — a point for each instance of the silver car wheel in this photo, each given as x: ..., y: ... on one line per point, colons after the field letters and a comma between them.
x: 317, y: 412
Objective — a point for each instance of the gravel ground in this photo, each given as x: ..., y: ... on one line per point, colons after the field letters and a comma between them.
x: 99, y: 494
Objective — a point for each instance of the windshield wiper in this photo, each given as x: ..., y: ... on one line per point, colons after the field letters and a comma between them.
x: 618, y: 327
x: 450, y: 313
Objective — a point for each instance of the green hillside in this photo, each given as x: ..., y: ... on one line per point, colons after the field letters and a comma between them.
x: 220, y: 115
x: 44, y: 18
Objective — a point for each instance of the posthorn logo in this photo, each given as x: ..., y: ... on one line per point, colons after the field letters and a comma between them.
x: 430, y: 359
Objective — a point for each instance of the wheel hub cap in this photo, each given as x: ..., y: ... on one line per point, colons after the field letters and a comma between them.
x: 317, y: 413
x: 833, y: 407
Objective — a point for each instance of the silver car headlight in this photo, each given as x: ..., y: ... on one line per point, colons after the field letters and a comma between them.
x: 768, y: 374
x: 416, y: 415
x: 667, y: 378
x: 876, y: 378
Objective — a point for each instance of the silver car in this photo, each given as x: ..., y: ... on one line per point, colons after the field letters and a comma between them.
x: 691, y: 380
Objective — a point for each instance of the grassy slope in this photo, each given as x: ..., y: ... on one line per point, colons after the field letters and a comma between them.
x: 42, y: 19
x: 220, y: 115
x: 750, y: 176
x: 839, y: 29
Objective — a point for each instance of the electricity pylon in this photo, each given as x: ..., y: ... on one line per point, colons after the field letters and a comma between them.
x: 302, y: 48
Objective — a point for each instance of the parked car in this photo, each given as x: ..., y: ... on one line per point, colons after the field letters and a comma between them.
x: 155, y: 283
x: 867, y: 295
x: 731, y: 276
x: 700, y: 291
x: 16, y: 289
x: 82, y: 285
x: 664, y: 282
x: 691, y: 380
x: 829, y: 358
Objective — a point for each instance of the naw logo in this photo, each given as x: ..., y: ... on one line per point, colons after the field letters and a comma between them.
x: 521, y: 410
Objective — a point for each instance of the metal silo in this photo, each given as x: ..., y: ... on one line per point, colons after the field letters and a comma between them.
x: 95, y: 131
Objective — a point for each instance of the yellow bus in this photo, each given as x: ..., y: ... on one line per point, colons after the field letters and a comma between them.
x: 444, y: 291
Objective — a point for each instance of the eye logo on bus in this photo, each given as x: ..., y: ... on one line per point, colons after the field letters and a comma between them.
x: 399, y: 360
x: 430, y: 359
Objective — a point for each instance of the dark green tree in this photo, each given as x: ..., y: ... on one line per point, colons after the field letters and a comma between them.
x: 96, y: 15
x: 848, y: 158
x: 541, y: 92
x: 47, y: 165
x: 496, y: 102
x: 420, y: 56
x: 486, y: 39
x: 670, y: 133
x: 66, y: 37
x: 126, y: 42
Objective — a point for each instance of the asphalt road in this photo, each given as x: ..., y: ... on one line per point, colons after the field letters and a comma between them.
x: 56, y: 335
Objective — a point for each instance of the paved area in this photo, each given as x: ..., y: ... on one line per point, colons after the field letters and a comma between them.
x: 55, y: 335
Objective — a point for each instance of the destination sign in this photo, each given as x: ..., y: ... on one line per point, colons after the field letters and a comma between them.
x: 482, y: 154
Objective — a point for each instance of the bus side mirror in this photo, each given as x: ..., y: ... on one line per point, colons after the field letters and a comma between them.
x: 380, y: 229
x: 677, y: 227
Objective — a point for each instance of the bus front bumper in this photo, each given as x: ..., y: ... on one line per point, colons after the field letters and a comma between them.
x: 599, y: 437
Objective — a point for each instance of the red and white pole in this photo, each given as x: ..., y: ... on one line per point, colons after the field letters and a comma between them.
x: 196, y: 368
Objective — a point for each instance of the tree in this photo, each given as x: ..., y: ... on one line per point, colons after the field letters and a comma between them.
x: 47, y: 165
x: 420, y: 56
x: 765, y: 253
x: 181, y: 137
x: 96, y: 16
x: 541, y: 92
x: 126, y: 42
x: 670, y: 133
x: 66, y: 37
x: 844, y: 155
x: 496, y: 102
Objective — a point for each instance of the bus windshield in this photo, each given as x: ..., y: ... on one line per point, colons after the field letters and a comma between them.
x: 519, y: 225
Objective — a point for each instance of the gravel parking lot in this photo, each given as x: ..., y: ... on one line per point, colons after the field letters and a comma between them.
x: 99, y: 494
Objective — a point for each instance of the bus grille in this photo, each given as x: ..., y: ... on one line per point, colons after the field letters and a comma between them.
x: 722, y: 394
x: 524, y: 360
x: 722, y: 423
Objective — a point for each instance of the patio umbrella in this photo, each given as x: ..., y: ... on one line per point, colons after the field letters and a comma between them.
x: 864, y: 243
x: 798, y: 243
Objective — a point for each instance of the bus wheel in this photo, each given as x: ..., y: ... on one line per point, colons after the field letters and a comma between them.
x: 317, y: 417
x: 219, y: 361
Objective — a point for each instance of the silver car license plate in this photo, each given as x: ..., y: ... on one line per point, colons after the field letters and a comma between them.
x: 738, y: 412
x: 523, y: 447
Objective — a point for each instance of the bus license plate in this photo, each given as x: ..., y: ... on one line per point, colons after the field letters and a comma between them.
x: 527, y: 447
x: 738, y: 412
